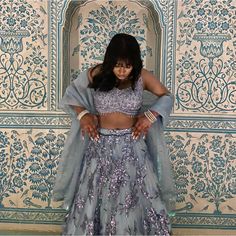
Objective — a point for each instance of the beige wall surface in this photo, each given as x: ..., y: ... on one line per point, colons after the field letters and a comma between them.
x: 189, y: 45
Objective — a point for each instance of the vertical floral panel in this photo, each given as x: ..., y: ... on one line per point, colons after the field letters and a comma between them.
x: 205, y: 61
x: 204, y: 166
x: 23, y: 55
x: 12, y: 165
x: 28, y: 165
x: 43, y: 161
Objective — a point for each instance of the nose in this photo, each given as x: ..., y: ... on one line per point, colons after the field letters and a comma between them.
x: 121, y: 69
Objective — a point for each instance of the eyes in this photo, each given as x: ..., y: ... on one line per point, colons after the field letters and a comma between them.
x: 124, y: 65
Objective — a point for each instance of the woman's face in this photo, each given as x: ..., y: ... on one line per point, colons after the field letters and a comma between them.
x: 122, y: 70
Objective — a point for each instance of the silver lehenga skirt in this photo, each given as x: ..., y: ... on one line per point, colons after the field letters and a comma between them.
x: 118, y: 191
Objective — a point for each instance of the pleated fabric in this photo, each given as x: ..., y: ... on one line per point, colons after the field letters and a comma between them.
x: 118, y: 191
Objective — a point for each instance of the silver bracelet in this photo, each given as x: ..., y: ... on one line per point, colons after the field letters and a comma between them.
x: 150, y: 116
x: 81, y: 114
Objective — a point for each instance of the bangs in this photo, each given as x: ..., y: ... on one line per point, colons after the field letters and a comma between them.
x: 124, y: 60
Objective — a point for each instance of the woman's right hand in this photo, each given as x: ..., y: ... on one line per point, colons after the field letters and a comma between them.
x: 89, y: 124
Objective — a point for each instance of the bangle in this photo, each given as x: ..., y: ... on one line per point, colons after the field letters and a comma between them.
x: 150, y: 116
x: 81, y: 114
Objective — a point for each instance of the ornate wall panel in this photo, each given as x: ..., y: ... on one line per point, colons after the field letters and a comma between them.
x: 190, y: 45
x: 201, y: 135
x: 205, y: 58
x: 24, y: 55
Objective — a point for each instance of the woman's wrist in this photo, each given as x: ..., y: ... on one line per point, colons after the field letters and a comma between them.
x: 156, y: 114
x: 82, y: 114
x: 151, y: 115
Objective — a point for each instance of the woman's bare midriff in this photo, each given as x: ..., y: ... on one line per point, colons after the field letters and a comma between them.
x: 116, y: 120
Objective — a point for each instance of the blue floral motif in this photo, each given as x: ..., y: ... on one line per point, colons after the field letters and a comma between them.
x: 197, y: 167
x: 206, y: 171
x: 34, y: 167
x: 40, y: 141
x: 24, y: 23
x: 182, y: 182
x: 218, y: 179
x: 225, y: 25
x: 20, y: 163
x: 3, y: 139
x: 198, y: 1
x: 216, y: 143
x: 219, y: 161
x: 35, y: 178
x: 17, y: 145
x: 182, y: 170
x: 232, y: 150
x: 44, y: 159
x: 11, y: 21
x: 211, y: 23
x: 201, y: 11
x: 12, y: 163
x: 224, y: 12
x: 232, y: 187
x: 22, y: 8
x: 201, y: 149
x: 182, y: 153
x: 200, y: 186
x: 199, y: 26
x: 102, y: 25
x: 23, y: 86
x: 213, y: 2
x: 178, y: 144
x: 17, y: 181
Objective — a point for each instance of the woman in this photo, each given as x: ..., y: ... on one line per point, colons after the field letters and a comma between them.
x: 115, y: 176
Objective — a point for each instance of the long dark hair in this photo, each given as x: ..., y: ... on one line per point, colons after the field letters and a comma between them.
x: 121, y: 47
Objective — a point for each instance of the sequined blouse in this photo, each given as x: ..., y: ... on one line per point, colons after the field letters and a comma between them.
x: 127, y: 100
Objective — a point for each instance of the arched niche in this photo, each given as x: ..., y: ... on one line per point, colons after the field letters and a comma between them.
x: 87, y: 27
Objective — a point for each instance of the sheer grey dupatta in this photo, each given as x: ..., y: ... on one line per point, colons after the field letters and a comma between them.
x: 77, y: 94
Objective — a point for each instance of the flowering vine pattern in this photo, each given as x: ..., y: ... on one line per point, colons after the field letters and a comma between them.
x: 22, y: 80
x: 206, y: 84
x: 204, y: 167
x: 12, y: 165
x: 101, y: 25
x: 28, y: 168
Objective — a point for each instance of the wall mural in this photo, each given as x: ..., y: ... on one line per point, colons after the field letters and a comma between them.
x: 202, y: 147
x: 22, y: 67
x: 28, y: 166
x: 95, y: 28
x: 206, y: 85
x: 204, y: 166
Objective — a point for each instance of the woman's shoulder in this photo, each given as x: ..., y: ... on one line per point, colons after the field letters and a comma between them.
x: 145, y: 73
x: 93, y: 71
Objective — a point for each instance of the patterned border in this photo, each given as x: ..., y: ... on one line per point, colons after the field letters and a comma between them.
x: 166, y: 10
x: 208, y: 221
x: 56, y: 217
x: 199, y: 125
x: 63, y: 121
x: 44, y: 121
x: 31, y: 216
x: 53, y: 55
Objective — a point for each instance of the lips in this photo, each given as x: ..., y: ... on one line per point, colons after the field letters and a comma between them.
x: 121, y: 77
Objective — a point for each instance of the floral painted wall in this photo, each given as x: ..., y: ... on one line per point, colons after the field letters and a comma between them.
x: 189, y: 45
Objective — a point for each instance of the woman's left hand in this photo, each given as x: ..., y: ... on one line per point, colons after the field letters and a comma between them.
x: 141, y: 126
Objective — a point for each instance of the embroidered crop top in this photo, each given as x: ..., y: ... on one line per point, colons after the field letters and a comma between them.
x: 126, y: 100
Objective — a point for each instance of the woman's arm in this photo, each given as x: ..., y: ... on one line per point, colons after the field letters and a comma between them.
x: 153, y: 85
x: 88, y: 122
